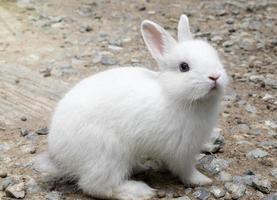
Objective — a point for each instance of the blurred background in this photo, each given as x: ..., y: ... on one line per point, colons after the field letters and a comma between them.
x: 48, y: 45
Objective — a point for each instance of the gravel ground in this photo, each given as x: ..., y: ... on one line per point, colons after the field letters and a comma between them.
x: 68, y: 40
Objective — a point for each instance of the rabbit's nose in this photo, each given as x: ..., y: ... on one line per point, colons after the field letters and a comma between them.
x: 214, y: 77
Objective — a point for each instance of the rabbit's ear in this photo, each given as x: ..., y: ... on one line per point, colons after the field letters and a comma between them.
x: 158, y: 40
x: 183, y: 29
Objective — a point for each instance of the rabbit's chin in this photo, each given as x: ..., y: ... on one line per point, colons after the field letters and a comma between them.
x: 210, y: 94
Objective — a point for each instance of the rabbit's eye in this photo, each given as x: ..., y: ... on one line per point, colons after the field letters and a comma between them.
x: 184, y: 67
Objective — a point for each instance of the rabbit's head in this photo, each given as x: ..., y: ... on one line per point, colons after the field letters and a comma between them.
x: 189, y: 68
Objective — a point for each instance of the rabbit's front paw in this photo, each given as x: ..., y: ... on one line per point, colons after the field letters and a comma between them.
x: 133, y: 190
x: 198, y: 179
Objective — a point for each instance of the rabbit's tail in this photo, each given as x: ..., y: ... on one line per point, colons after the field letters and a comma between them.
x: 44, y: 164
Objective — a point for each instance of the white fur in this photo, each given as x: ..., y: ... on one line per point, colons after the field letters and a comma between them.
x: 102, y: 127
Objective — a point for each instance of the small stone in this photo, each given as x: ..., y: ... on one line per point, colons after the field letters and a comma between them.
x: 255, y: 131
x: 271, y: 82
x: 249, y: 172
x: 257, y: 153
x: 115, y: 42
x: 85, y: 28
x: 32, y: 150
x: 251, y: 109
x: 201, y: 194
x: 248, y: 44
x: 271, y: 197
x: 142, y: 8
x: 24, y: 132
x: 6, y: 182
x: 108, y: 61
x: 115, y: 48
x: 274, y: 173
x: 227, y: 43
x: 271, y: 124
x: 16, y: 191
x: 85, y: 11
x: 3, y: 174
x: 23, y: 119
x: 267, y: 97
x: 245, y: 180
x: 243, y: 128
x: 216, y: 38
x: 236, y: 190
x: 217, y: 192
x: 4, y: 147
x: 205, y: 160
x: 151, y: 12
x: 33, y: 137
x: 225, y: 177
x: 262, y: 185
x: 46, y: 72
x: 54, y: 195
x: 272, y: 133
x: 183, y: 198
x: 42, y: 131
x: 257, y: 78
x: 217, y: 165
x: 272, y: 144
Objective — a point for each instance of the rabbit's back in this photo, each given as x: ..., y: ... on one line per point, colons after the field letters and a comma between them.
x: 109, y: 107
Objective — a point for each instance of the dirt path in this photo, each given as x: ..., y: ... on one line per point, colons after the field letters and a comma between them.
x: 46, y: 46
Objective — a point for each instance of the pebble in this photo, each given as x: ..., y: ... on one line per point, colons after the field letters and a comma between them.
x: 227, y: 43
x: 272, y: 133
x: 271, y: 124
x: 115, y: 48
x: 236, y: 190
x: 4, y: 147
x: 201, y: 194
x: 217, y: 165
x: 3, y: 174
x: 16, y: 191
x: 182, y: 198
x: 248, y: 44
x: 42, y: 131
x: 108, y: 61
x: 24, y: 132
x: 225, y: 177
x: 54, y: 195
x: 6, y: 182
x: 243, y: 128
x: 272, y: 144
x: 274, y: 173
x: 217, y: 192
x: 245, y: 180
x: 271, y: 82
x: 46, y: 72
x: 23, y: 119
x: 267, y: 97
x: 262, y: 185
x: 255, y: 131
x: 256, y: 153
x: 271, y: 197
x: 251, y: 109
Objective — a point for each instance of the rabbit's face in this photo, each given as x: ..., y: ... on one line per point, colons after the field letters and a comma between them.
x: 190, y: 69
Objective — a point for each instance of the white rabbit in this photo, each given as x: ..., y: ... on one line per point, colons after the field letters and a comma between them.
x: 102, y: 127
